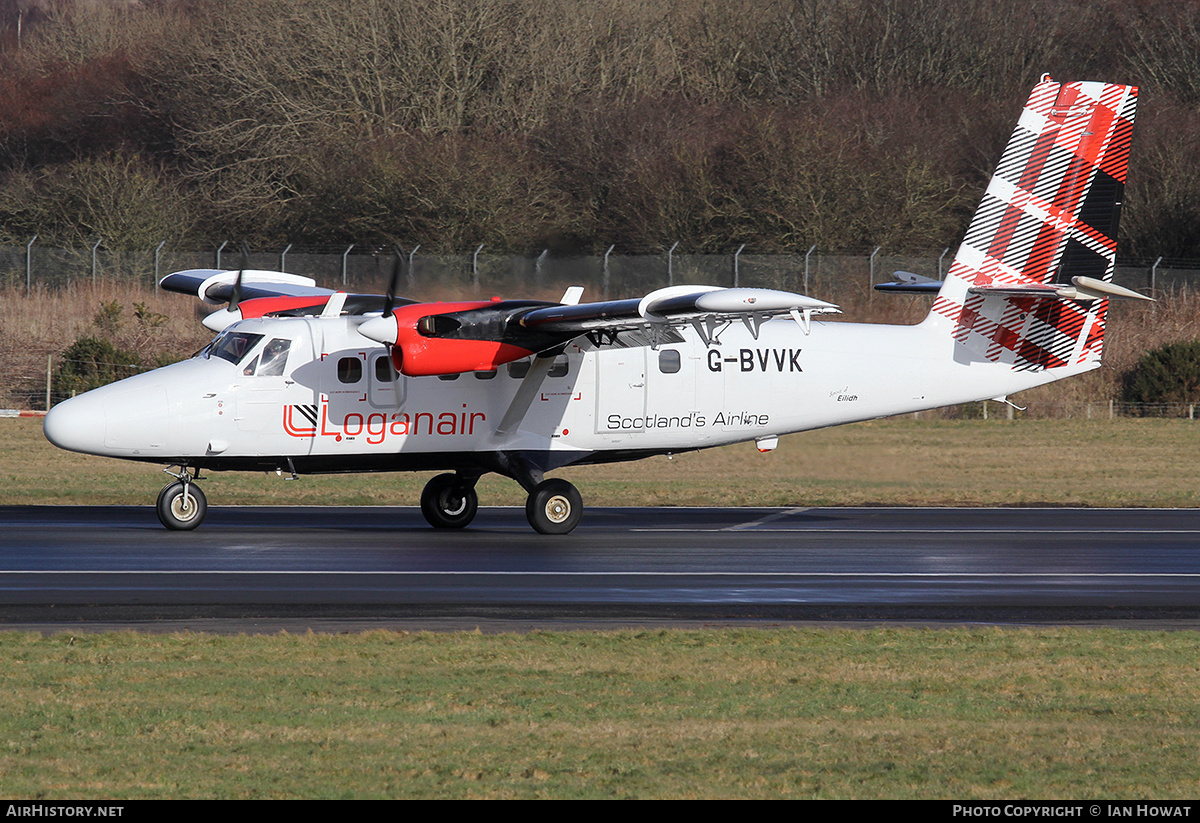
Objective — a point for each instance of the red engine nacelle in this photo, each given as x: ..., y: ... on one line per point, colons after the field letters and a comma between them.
x: 421, y: 350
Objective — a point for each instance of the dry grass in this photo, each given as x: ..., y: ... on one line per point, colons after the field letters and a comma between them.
x: 48, y: 320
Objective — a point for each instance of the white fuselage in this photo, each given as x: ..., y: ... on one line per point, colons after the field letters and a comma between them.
x: 337, y: 405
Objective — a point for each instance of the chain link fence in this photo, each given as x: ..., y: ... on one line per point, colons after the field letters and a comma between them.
x: 840, y: 278
x: 604, y: 276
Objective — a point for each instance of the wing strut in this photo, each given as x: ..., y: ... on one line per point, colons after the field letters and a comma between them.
x: 523, y: 399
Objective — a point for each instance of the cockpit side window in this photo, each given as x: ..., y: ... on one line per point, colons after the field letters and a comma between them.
x: 232, y: 346
x: 274, y: 357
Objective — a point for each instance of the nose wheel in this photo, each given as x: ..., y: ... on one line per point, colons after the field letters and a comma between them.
x: 181, y: 506
x: 554, y: 507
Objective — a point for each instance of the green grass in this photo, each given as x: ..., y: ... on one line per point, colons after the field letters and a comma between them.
x: 817, y: 713
x: 1123, y: 462
x: 821, y: 713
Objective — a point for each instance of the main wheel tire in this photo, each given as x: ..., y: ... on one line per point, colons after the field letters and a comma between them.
x: 448, y: 503
x: 180, y: 512
x: 554, y: 507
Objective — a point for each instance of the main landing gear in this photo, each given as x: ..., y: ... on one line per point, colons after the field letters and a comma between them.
x: 449, y: 501
x: 554, y: 507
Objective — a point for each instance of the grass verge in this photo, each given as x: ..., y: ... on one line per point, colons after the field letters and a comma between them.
x: 1122, y: 462
x: 828, y: 713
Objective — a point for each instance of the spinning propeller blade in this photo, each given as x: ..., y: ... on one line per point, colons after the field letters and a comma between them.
x: 390, y: 299
x: 236, y: 297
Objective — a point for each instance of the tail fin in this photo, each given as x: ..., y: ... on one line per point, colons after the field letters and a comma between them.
x: 1049, y: 215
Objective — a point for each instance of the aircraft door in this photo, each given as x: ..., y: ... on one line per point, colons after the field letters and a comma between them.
x: 385, y: 386
x: 621, y: 390
x: 274, y: 401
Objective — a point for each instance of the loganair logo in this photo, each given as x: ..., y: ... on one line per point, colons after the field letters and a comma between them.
x: 376, y: 427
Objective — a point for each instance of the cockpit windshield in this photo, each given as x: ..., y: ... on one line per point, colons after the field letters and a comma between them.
x: 232, y: 346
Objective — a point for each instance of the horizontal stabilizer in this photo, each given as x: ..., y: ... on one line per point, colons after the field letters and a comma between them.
x: 908, y: 283
x: 1080, y: 288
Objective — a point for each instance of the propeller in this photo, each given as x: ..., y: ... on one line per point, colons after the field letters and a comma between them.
x: 394, y: 283
x: 236, y: 297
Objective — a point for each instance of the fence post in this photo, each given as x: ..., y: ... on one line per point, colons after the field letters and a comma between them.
x: 412, y: 282
x: 605, y: 281
x: 29, y: 263
x: 735, y: 264
x: 283, y: 257
x: 537, y: 267
x: 871, y: 275
x: 344, y: 254
x: 96, y: 246
x: 49, y: 358
x: 475, y: 266
x: 157, y: 252
x: 811, y: 249
x: 671, y: 265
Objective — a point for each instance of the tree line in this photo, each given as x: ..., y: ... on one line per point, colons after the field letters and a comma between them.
x: 569, y: 124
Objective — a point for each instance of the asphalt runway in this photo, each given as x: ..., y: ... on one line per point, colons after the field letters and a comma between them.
x: 261, y: 569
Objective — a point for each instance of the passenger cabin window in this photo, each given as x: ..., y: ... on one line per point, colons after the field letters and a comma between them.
x: 384, y: 373
x: 519, y: 368
x: 668, y: 361
x: 349, y: 370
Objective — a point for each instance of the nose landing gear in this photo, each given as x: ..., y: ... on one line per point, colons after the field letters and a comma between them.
x: 181, y: 504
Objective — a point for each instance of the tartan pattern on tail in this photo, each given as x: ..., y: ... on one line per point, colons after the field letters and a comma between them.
x: 1049, y: 214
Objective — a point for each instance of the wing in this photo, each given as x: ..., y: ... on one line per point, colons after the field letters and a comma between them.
x: 450, y: 338
x: 215, y: 286
x: 429, y: 339
x: 267, y: 293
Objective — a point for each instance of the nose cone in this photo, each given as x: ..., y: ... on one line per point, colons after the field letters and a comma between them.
x: 126, y: 419
x: 381, y: 329
x: 77, y: 424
